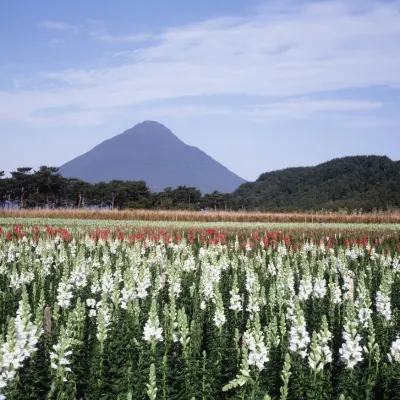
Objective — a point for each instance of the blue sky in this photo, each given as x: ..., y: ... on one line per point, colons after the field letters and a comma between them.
x: 258, y: 85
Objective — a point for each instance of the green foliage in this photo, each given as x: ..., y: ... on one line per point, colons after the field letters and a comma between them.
x: 362, y: 182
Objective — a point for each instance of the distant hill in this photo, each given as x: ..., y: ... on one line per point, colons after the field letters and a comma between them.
x: 365, y: 182
x: 151, y: 152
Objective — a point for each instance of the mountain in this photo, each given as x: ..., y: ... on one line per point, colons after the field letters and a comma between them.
x: 151, y: 152
x: 359, y: 182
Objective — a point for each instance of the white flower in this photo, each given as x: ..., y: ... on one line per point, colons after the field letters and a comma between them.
x: 152, y: 330
x: 351, y: 351
x: 319, y: 290
x: 364, y: 315
x: 64, y: 295
x: 337, y: 294
x: 298, y: 336
x: 305, y: 289
x: 236, y: 302
x: 91, y: 303
x: 394, y: 355
x: 219, y: 318
x: 383, y: 305
x: 258, y: 352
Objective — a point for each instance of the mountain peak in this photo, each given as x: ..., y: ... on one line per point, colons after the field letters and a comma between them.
x: 149, y: 124
x: 151, y: 130
x: 151, y: 152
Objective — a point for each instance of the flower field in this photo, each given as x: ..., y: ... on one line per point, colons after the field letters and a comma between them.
x: 115, y: 310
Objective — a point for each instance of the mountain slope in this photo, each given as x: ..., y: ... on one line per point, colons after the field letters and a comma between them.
x: 365, y: 182
x: 151, y: 152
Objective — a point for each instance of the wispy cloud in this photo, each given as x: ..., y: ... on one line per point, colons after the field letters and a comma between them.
x: 59, y: 26
x: 134, y: 38
x: 56, y: 43
x: 291, y: 53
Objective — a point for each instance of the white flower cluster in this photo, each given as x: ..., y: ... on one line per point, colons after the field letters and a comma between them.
x: 305, y: 289
x: 152, y: 330
x: 189, y: 264
x: 175, y: 287
x: 282, y: 250
x: 143, y: 282
x: 64, y: 294
x: 258, y: 352
x: 364, y: 315
x: 93, y: 305
x: 235, y: 302
x: 298, y: 336
x: 79, y: 276
x: 210, y: 277
x: 219, y: 317
x: 319, y: 290
x: 351, y: 351
x: 255, y: 301
x: 271, y: 269
x: 321, y: 353
x: 127, y: 293
x: 336, y: 293
x: 59, y: 357
x: 383, y: 305
x: 22, y: 337
x: 107, y: 283
x: 17, y: 281
x: 394, y: 355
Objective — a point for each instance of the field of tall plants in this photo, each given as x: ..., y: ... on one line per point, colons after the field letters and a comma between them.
x: 119, y: 312
x: 356, y: 216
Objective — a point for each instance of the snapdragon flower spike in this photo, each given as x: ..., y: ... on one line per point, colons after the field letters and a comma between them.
x: 21, y: 340
x: 209, y: 279
x: 253, y: 339
x: 305, y: 288
x: 219, y: 316
x: 152, y: 330
x: 383, y: 306
x: 253, y: 289
x: 363, y: 303
x: 351, y: 350
x: 60, y: 356
x: 335, y: 293
x: 320, y: 353
x: 103, y: 321
x: 236, y: 299
x: 319, y: 290
x: 298, y: 335
x: 64, y: 294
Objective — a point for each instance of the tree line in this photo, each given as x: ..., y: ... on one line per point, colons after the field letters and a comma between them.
x: 47, y: 188
x: 350, y: 183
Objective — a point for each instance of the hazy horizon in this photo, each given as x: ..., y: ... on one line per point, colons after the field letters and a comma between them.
x: 257, y: 85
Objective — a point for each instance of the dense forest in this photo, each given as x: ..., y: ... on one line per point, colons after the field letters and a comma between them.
x: 362, y: 182
x: 47, y: 188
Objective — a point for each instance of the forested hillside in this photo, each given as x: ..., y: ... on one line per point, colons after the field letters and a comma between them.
x: 365, y: 182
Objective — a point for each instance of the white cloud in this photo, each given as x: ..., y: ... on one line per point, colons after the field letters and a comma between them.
x: 59, y: 26
x: 288, y: 53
